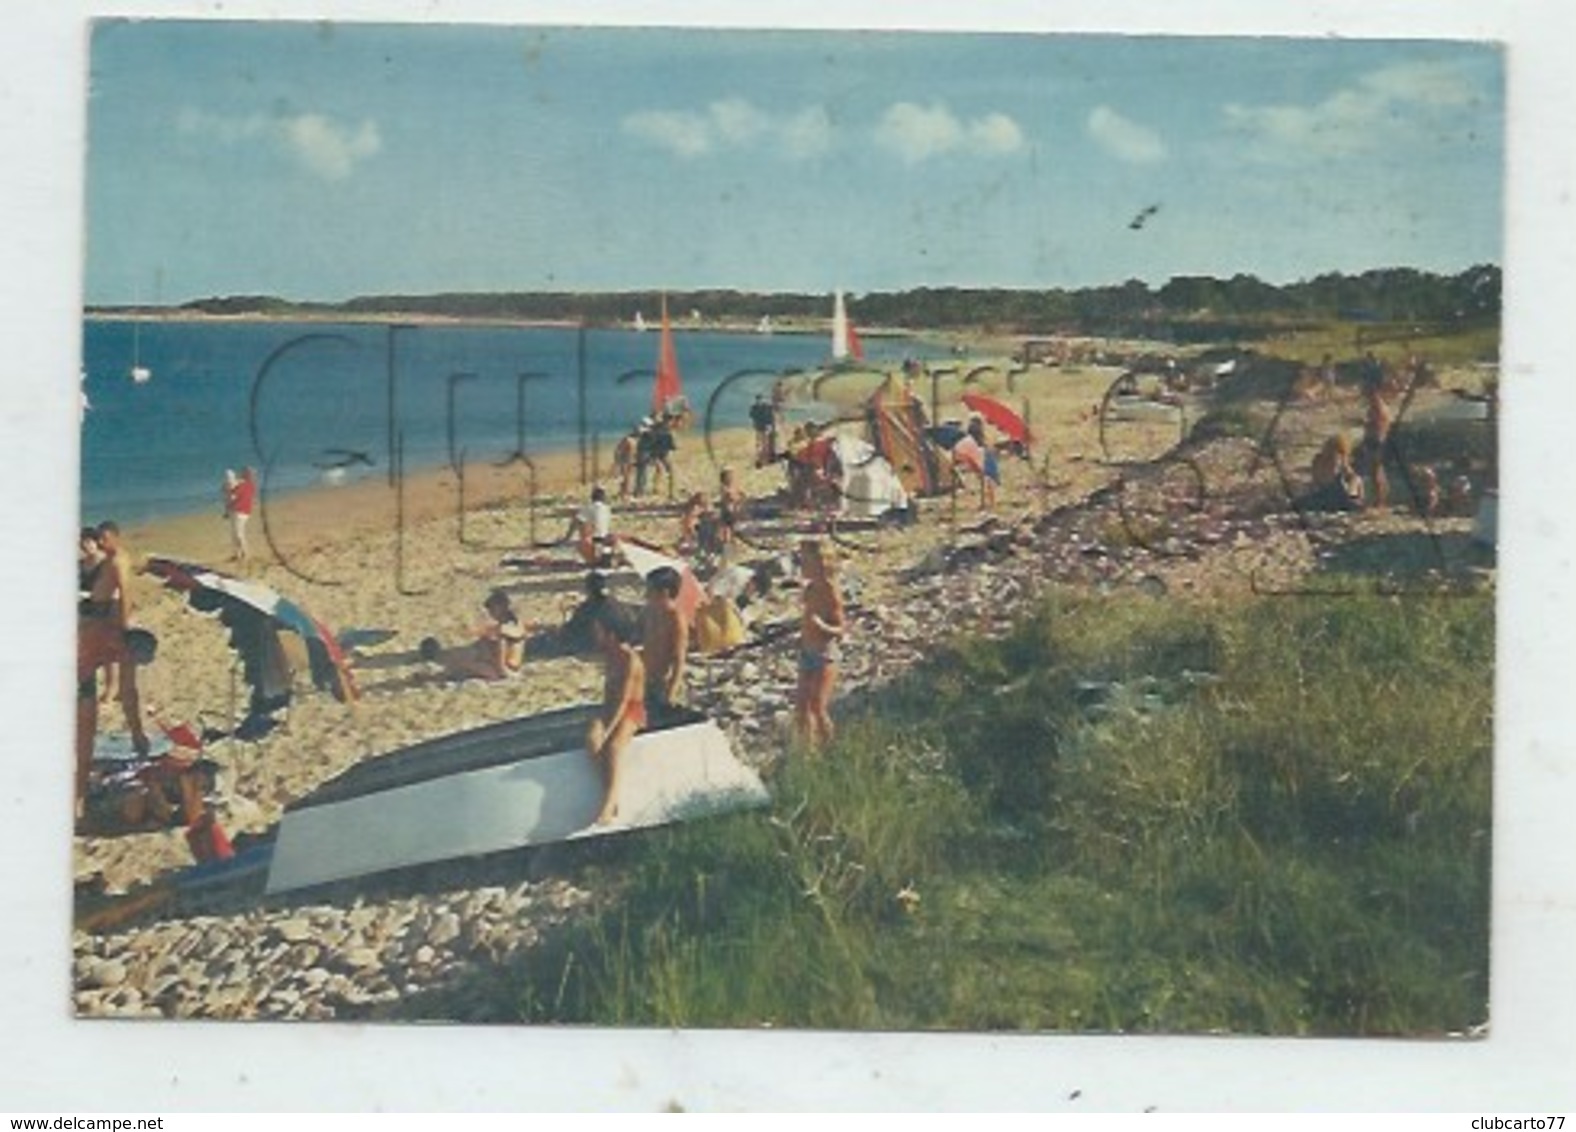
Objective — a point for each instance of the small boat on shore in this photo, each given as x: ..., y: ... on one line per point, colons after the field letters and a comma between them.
x: 505, y: 786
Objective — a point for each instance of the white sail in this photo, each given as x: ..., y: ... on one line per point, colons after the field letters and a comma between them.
x: 765, y: 325
x: 839, y: 328
x: 640, y: 322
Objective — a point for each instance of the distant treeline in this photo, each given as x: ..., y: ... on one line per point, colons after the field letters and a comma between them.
x: 1185, y: 308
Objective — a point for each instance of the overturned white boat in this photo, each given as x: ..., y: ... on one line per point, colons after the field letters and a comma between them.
x: 504, y: 786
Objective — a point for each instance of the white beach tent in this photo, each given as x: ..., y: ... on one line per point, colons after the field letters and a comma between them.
x: 869, y: 487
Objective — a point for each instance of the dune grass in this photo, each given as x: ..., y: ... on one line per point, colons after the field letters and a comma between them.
x: 1128, y: 816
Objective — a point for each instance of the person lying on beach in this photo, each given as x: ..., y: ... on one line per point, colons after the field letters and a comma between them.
x: 665, y: 637
x: 497, y: 652
x: 820, y: 634
x: 105, y: 637
x: 623, y: 707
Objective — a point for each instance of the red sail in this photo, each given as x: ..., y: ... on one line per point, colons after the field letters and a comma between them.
x: 856, y: 348
x: 668, y: 387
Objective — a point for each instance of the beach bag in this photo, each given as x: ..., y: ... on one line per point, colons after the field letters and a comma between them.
x: 718, y: 626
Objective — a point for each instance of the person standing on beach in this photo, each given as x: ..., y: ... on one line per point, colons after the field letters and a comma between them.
x: 665, y: 639
x: 91, y: 562
x: 624, y: 462
x: 103, y: 638
x: 820, y: 634
x: 623, y: 706
x: 1375, y: 446
x: 764, y: 418
x: 240, y: 498
x: 592, y: 528
x: 663, y: 445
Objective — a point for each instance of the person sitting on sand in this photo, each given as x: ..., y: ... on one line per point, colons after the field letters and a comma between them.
x: 741, y: 586
x: 821, y: 632
x: 497, y: 652
x: 730, y: 509
x: 1336, y: 484
x: 105, y: 637
x: 1425, y: 485
x: 623, y: 706
x: 1459, y: 500
x: 665, y: 637
x: 575, y: 634
x: 689, y: 523
x: 592, y: 528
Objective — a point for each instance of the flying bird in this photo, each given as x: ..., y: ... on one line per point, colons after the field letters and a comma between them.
x: 1143, y: 216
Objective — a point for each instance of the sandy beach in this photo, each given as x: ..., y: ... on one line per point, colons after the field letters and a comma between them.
x: 415, y: 560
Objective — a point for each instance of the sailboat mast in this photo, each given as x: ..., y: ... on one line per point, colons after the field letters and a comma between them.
x: 839, y: 327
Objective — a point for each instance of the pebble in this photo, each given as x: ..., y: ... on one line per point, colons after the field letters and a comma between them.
x: 323, y: 961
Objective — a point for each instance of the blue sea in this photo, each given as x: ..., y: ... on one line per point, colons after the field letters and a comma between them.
x: 293, y: 399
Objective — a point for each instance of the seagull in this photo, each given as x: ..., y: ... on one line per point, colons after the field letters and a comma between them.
x: 1143, y: 216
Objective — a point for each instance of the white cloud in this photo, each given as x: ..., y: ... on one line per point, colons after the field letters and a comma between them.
x: 733, y: 123
x: 1124, y: 138
x: 316, y: 142
x: 737, y: 121
x: 687, y: 135
x: 807, y: 133
x: 1423, y: 83
x: 1355, y: 119
x: 996, y: 133
x: 916, y: 133
x: 329, y: 149
x: 228, y: 130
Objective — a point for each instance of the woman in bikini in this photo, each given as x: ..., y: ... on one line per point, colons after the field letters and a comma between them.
x: 623, y: 706
x: 820, y: 632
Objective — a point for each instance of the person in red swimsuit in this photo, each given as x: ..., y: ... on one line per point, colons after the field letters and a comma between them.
x: 623, y: 705
x: 240, y: 499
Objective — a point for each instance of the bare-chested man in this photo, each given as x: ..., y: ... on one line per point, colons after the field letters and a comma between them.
x: 820, y: 632
x: 1375, y: 446
x: 664, y: 641
x: 103, y: 617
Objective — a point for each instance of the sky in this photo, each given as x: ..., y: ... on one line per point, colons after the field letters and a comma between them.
x: 318, y: 161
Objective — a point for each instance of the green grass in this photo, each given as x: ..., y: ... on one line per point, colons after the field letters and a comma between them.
x: 1394, y: 342
x: 1295, y: 843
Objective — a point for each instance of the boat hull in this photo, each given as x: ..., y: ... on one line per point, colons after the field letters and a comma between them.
x: 509, y: 786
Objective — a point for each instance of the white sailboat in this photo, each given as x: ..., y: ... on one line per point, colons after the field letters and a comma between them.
x: 765, y: 325
x: 845, y: 339
x: 140, y: 373
x: 640, y: 323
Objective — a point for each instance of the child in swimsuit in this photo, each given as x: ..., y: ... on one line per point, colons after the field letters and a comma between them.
x: 623, y: 706
x: 821, y: 630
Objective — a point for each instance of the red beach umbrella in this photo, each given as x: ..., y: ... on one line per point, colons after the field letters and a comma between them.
x: 1002, y: 416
